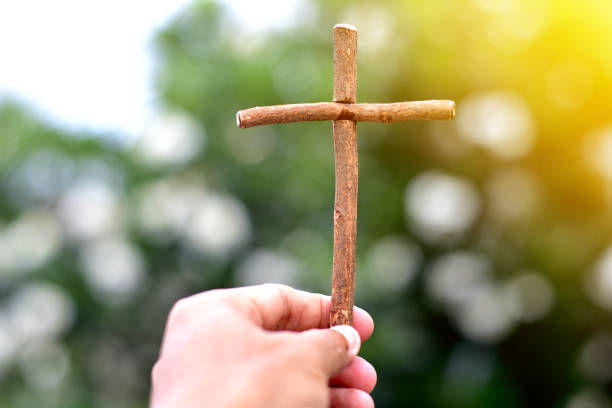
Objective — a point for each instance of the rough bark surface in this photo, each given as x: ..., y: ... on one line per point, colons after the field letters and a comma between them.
x: 345, y: 63
x: 359, y: 112
x: 347, y: 168
x: 345, y: 222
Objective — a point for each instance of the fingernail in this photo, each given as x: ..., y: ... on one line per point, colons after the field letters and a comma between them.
x: 351, y: 336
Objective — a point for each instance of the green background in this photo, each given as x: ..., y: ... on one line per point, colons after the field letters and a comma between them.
x: 528, y: 322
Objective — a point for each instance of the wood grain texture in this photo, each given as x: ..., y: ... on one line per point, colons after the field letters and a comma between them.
x: 347, y: 170
x: 345, y: 222
x: 359, y: 112
x: 345, y: 63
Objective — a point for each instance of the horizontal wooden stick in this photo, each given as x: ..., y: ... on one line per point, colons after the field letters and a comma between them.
x: 359, y: 112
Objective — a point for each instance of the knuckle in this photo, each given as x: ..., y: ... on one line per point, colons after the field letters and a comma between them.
x: 156, y: 372
x: 276, y: 287
x: 178, y: 312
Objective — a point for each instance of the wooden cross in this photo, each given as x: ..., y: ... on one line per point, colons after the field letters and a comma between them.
x: 345, y: 113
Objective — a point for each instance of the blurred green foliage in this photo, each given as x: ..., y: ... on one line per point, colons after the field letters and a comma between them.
x: 551, y: 57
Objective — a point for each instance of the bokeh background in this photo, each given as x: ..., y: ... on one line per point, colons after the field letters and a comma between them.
x: 484, y: 243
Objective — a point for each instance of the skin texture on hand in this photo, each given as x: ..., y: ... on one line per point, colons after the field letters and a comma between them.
x: 261, y: 346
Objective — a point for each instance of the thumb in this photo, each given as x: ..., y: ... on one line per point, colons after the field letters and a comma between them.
x: 331, y: 349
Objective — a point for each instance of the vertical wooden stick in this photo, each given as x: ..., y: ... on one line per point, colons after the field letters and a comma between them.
x: 345, y: 63
x: 347, y: 166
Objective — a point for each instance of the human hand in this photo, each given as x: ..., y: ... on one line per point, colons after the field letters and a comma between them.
x: 261, y: 346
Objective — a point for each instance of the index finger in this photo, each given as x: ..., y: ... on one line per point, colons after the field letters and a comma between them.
x: 280, y: 307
